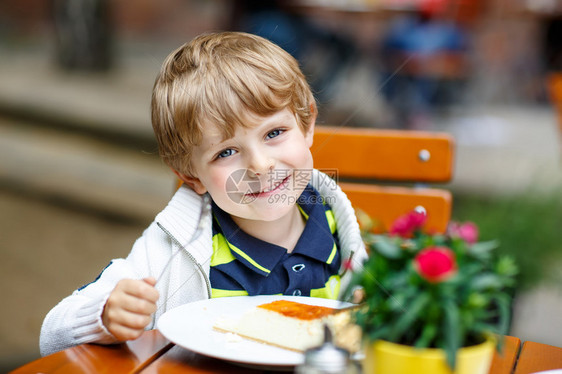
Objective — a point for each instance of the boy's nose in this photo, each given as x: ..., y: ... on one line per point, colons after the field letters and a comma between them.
x: 260, y: 163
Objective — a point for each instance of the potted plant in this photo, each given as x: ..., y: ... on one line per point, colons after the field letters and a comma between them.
x: 443, y: 299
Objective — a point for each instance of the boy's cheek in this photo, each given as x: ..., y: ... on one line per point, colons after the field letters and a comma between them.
x: 217, y: 182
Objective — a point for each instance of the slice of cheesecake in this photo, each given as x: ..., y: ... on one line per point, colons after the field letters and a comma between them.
x: 294, y: 326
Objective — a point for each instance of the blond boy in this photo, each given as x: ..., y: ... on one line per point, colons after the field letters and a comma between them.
x: 234, y: 118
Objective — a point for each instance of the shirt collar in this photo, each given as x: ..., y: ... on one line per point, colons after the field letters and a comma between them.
x: 316, y: 241
x: 258, y: 255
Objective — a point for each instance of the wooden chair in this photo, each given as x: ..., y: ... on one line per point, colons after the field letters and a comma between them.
x: 386, y: 173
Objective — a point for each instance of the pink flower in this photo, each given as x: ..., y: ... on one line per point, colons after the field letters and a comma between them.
x: 405, y: 225
x: 467, y: 231
x: 435, y: 264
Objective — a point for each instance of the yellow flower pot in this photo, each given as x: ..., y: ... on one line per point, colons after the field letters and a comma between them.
x: 383, y: 357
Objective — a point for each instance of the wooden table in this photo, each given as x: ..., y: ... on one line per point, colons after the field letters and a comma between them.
x: 152, y: 353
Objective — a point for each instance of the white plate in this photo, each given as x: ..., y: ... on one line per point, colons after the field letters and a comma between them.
x: 191, y: 326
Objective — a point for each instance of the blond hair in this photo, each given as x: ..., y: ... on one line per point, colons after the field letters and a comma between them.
x: 224, y: 79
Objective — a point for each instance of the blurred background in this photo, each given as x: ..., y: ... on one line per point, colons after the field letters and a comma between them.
x: 80, y: 177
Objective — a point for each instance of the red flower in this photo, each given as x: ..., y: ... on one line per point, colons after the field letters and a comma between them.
x: 435, y: 264
x: 405, y: 225
x: 467, y: 231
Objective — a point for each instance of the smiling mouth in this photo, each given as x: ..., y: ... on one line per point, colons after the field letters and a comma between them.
x: 270, y: 191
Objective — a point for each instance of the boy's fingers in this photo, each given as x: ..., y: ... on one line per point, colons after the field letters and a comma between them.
x: 141, y: 289
x: 124, y: 319
x: 137, y: 305
x: 135, y: 321
x: 129, y: 309
x: 150, y: 280
x: 123, y: 333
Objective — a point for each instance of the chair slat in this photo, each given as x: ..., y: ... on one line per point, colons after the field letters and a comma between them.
x: 384, y: 204
x: 384, y: 154
x: 538, y: 357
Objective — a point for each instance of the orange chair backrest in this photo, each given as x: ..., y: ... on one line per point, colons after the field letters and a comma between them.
x: 365, y: 161
x: 554, y: 86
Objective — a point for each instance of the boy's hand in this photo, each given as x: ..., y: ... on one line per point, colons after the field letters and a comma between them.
x: 129, y: 308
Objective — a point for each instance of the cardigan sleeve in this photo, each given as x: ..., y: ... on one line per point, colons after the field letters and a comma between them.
x: 77, y: 318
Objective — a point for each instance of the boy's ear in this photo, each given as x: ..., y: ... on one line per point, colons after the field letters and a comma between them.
x: 193, y: 182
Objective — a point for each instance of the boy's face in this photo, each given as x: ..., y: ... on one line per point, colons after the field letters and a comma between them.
x: 260, y: 172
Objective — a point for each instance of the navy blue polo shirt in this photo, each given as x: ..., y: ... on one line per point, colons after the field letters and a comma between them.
x: 244, y: 265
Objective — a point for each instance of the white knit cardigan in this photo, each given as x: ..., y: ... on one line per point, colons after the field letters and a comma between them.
x: 77, y: 318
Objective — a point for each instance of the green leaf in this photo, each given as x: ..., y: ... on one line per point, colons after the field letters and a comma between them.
x: 406, y: 320
x: 483, y: 249
x: 504, y: 302
x: 476, y: 300
x: 486, y: 281
x: 397, y: 301
x: 506, y: 267
x: 380, y: 333
x: 386, y: 247
x: 452, y: 332
x: 481, y: 328
x: 428, y: 334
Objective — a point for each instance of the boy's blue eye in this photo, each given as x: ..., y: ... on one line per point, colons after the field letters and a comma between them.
x: 274, y: 133
x: 226, y: 153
